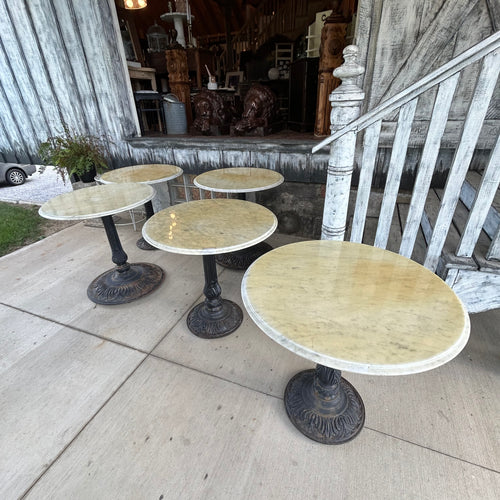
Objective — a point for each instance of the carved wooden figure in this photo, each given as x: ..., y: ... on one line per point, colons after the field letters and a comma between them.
x: 212, y: 114
x: 333, y: 41
x: 178, y: 78
x: 259, y: 109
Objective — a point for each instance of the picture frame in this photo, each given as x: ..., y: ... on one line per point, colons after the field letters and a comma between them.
x: 233, y: 79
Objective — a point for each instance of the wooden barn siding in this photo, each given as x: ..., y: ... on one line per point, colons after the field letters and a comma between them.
x: 402, y: 41
x: 61, y: 62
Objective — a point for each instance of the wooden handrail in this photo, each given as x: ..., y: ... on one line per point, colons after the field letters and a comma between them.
x: 446, y: 71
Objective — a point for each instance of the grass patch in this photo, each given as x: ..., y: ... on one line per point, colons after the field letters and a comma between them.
x: 19, y: 225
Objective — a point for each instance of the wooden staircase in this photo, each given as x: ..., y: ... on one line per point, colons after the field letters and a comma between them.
x: 453, y: 230
x: 289, y: 18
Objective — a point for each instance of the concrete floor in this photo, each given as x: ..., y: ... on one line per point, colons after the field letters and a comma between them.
x: 123, y: 402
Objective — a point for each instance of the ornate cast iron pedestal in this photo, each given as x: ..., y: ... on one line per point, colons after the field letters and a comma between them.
x: 324, y: 406
x: 126, y: 282
x: 242, y: 259
x: 141, y: 242
x: 215, y: 317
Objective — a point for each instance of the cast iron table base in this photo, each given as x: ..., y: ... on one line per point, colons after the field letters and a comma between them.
x: 215, y: 317
x: 126, y: 282
x: 141, y: 242
x: 324, y: 406
x: 242, y: 259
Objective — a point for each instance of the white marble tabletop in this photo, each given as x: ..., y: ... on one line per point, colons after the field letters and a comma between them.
x: 148, y: 173
x: 96, y: 201
x: 238, y: 180
x: 355, y: 307
x: 208, y: 227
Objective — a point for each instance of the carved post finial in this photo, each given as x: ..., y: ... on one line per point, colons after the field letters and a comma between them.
x: 350, y: 70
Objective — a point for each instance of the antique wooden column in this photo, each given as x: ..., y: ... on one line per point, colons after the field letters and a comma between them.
x: 178, y: 78
x: 333, y: 41
x: 346, y: 103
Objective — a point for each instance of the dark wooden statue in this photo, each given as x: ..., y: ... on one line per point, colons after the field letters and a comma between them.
x: 259, y: 111
x: 212, y: 114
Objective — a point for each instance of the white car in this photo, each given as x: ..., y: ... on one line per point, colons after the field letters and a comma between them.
x: 15, y: 174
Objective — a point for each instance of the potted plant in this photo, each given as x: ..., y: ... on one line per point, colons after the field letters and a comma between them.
x: 72, y: 154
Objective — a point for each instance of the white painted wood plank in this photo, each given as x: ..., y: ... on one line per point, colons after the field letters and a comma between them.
x: 451, y: 135
x: 427, y: 163
x: 474, y: 179
x: 430, y: 44
x: 15, y: 147
x: 17, y: 83
x: 396, y: 38
x: 37, y: 68
x: 395, y: 170
x: 447, y: 260
x: 107, y: 70
x: 468, y: 195
x: 479, y: 291
x: 46, y: 25
x: 463, y: 154
x: 83, y: 88
x: 454, y: 66
x: 482, y: 204
x: 494, y: 9
x: 494, y: 250
x: 481, y: 245
x: 370, y: 145
x: 419, y: 247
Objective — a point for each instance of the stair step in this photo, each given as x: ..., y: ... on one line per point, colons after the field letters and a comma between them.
x: 448, y: 258
x: 468, y: 195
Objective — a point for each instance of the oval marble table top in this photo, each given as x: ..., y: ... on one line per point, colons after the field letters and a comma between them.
x: 238, y: 180
x: 149, y: 174
x: 355, y: 307
x: 208, y: 227
x: 96, y: 201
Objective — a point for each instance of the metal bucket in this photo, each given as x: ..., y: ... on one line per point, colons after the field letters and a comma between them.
x: 175, y: 116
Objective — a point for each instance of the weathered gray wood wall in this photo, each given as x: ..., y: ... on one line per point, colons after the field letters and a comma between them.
x: 402, y: 41
x: 61, y: 61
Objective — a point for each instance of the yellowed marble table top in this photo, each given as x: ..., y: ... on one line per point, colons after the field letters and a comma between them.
x: 238, y: 180
x: 96, y: 201
x: 148, y: 174
x: 207, y: 227
x: 355, y: 307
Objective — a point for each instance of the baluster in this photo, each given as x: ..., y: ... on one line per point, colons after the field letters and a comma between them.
x: 346, y: 103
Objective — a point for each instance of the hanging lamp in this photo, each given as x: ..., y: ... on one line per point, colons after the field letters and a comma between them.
x: 135, y: 4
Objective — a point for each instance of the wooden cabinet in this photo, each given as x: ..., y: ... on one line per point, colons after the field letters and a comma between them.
x: 303, y: 92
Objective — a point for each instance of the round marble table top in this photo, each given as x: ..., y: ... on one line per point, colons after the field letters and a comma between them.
x: 96, y: 201
x: 208, y: 227
x: 238, y: 180
x: 355, y: 307
x: 149, y: 174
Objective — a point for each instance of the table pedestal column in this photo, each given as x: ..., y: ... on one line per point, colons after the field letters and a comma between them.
x: 215, y: 317
x: 324, y: 406
x: 242, y: 259
x: 141, y: 242
x: 126, y: 282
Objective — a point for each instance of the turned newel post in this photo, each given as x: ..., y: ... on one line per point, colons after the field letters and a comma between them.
x: 346, y: 103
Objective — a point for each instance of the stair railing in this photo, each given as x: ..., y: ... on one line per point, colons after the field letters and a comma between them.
x: 346, y: 103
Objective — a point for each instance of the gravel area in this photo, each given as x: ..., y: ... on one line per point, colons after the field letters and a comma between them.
x: 37, y: 189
